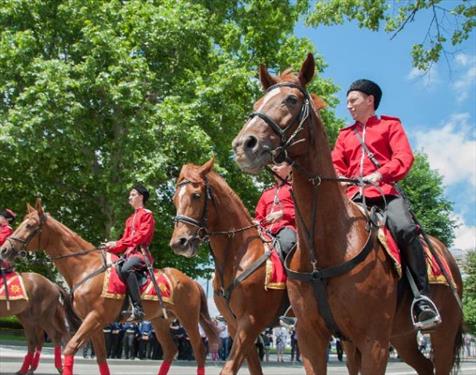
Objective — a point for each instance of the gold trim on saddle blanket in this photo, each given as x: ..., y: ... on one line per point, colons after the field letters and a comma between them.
x: 144, y: 295
x: 268, y: 284
x: 13, y: 288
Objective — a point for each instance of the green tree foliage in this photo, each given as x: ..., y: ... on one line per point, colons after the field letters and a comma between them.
x: 469, y: 293
x: 450, y: 22
x: 424, y: 188
x: 97, y: 95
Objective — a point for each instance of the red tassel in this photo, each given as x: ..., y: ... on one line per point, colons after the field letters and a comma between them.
x: 104, y: 368
x: 164, y: 368
x: 200, y: 370
x: 58, y: 359
x: 68, y: 365
x: 36, y: 360
x: 26, y: 363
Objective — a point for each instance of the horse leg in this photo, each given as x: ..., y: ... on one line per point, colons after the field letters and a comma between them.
x: 162, y: 333
x: 374, y: 354
x: 446, y: 348
x: 243, y: 347
x: 30, y: 334
x: 40, y: 340
x: 407, y: 348
x: 90, y: 324
x: 99, y: 345
x: 353, y: 362
x: 190, y: 324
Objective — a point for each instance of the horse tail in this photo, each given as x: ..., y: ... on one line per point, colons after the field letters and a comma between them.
x: 457, y: 348
x: 73, y: 320
x: 210, y: 328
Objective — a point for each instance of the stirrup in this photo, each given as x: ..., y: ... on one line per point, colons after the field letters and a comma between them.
x: 287, y: 321
x: 137, y: 315
x: 426, y: 324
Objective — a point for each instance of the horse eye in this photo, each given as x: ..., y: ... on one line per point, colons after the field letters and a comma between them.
x: 291, y: 99
x: 196, y: 195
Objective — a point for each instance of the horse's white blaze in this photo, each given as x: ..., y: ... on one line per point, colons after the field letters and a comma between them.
x: 266, y: 99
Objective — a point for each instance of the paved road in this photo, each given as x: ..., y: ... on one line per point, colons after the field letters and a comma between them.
x: 11, y: 358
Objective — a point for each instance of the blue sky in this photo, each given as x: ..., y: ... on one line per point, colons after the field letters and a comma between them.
x: 438, y: 109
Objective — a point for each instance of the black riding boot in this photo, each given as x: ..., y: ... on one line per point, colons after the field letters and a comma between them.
x: 133, y: 288
x: 415, y: 257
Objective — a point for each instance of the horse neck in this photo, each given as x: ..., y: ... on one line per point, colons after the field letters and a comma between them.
x: 333, y: 209
x: 59, y: 241
x: 230, y: 252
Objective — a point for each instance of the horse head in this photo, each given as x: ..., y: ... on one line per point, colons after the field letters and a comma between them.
x: 27, y: 236
x: 191, y: 201
x: 278, y: 123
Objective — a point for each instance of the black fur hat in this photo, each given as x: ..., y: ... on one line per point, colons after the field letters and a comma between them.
x: 367, y: 87
x: 142, y: 191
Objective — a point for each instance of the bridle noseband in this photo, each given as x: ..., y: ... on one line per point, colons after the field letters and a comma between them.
x: 279, y: 153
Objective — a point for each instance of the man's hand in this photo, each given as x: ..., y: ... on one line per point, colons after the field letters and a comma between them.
x: 109, y: 245
x: 373, y: 178
x: 274, y: 216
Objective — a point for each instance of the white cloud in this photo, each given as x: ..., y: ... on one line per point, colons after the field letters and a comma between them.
x: 451, y: 149
x: 426, y: 78
x: 466, y: 82
x: 465, y: 235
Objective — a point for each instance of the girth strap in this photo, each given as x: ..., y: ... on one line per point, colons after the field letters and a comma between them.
x: 318, y: 279
x: 226, y: 293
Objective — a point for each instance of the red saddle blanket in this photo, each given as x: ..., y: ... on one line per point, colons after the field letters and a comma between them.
x: 113, y: 286
x: 275, y: 273
x: 435, y: 275
x: 16, y: 287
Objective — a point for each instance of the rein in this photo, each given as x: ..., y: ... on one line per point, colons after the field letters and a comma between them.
x: 317, y: 277
x: 203, y: 235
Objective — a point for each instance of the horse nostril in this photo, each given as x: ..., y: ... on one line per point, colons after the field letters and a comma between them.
x: 251, y: 142
x: 183, y: 241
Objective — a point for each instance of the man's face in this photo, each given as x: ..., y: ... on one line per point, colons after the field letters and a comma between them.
x: 282, y: 170
x: 360, y: 105
x: 135, y: 199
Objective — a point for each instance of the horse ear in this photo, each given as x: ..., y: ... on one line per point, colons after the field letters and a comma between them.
x: 307, y: 70
x: 207, y: 167
x: 39, y: 207
x: 29, y: 208
x: 267, y: 79
x: 319, y: 103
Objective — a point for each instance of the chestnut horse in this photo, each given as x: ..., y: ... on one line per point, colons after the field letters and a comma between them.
x: 46, y: 309
x: 208, y: 209
x: 83, y: 266
x: 360, y: 300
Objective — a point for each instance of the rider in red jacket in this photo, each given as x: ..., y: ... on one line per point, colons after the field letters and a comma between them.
x: 7, y: 216
x: 385, y: 159
x: 138, y: 234
x: 275, y: 209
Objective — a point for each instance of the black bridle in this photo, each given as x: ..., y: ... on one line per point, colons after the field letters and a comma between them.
x: 286, y: 135
x: 203, y: 235
x: 25, y: 242
x: 201, y: 224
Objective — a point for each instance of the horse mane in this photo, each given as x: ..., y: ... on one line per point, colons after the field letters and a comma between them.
x: 217, y: 182
x: 76, y: 237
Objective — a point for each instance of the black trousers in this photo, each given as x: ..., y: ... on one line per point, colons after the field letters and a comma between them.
x: 128, y: 275
x: 287, y: 240
x: 405, y: 231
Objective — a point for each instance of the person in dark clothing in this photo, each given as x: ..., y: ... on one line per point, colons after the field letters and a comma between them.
x: 117, y: 334
x: 130, y: 334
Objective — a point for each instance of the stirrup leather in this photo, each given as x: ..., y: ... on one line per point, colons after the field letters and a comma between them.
x: 427, y: 324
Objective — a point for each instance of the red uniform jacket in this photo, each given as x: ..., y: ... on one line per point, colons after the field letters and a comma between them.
x: 387, y: 140
x: 139, y: 231
x: 276, y: 198
x: 5, y: 232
